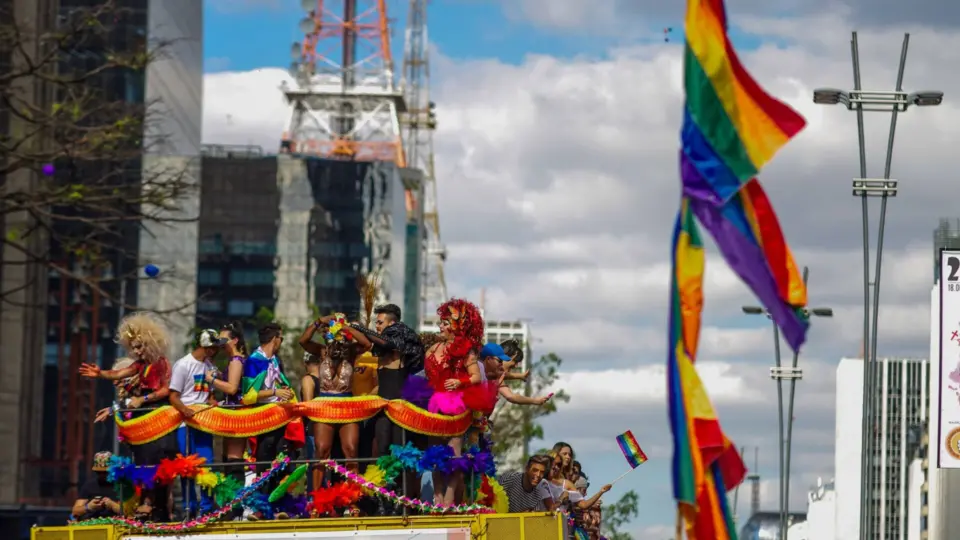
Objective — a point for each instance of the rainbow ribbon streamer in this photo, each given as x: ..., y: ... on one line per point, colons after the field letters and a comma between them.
x: 631, y: 449
x: 731, y: 129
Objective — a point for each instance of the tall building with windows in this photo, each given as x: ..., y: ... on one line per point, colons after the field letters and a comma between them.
x: 904, y: 407
x: 284, y: 233
x: 79, y: 322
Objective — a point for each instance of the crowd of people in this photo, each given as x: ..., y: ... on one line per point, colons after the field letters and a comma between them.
x: 451, y: 372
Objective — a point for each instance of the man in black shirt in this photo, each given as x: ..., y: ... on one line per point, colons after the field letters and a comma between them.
x: 96, y: 497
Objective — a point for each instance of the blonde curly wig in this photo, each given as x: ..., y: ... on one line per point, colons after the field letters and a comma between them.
x: 147, y: 329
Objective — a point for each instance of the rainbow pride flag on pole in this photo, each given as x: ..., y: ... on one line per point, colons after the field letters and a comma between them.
x: 631, y: 449
x: 705, y: 462
x: 731, y: 129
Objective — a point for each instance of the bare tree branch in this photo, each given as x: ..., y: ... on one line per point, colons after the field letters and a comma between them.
x: 73, y: 187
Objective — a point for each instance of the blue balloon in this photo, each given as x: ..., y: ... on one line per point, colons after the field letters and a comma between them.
x: 151, y: 270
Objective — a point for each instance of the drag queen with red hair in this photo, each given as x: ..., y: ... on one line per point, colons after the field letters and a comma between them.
x: 454, y: 375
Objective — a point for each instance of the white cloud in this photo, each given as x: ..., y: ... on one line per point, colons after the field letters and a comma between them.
x: 558, y: 189
x: 646, y: 385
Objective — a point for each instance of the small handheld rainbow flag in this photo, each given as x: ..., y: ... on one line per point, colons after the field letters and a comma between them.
x: 631, y: 450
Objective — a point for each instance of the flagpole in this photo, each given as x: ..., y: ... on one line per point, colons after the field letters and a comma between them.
x: 679, y: 530
x: 619, y: 478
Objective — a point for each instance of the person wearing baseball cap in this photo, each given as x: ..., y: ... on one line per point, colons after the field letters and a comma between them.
x: 189, y: 387
x: 95, y: 499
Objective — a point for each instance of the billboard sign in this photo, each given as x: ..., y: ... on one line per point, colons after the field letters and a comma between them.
x: 948, y: 430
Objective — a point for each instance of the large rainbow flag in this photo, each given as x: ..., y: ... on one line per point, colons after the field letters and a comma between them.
x: 705, y: 463
x: 731, y: 129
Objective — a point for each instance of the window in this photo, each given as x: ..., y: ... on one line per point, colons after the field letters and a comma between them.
x: 253, y: 248
x: 242, y: 308
x: 211, y: 246
x: 252, y: 277
x: 209, y: 276
x: 208, y: 306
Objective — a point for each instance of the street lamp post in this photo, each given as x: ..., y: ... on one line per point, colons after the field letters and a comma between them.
x: 861, y: 101
x: 779, y: 373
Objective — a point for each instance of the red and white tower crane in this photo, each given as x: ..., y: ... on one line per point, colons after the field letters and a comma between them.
x: 346, y: 104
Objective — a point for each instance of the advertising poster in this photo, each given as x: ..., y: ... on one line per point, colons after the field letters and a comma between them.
x: 948, y: 447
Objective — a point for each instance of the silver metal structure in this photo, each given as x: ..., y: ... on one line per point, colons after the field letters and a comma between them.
x: 418, y: 124
x: 861, y: 101
x: 780, y: 373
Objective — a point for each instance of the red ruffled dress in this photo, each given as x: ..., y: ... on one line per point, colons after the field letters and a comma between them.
x: 478, y: 397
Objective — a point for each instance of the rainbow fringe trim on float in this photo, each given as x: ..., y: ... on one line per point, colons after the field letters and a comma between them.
x: 242, y: 423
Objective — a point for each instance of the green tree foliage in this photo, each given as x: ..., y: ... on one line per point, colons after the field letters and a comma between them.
x: 620, y: 513
x: 515, y: 426
x: 76, y: 186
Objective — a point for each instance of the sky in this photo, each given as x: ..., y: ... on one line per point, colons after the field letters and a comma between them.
x: 558, y: 186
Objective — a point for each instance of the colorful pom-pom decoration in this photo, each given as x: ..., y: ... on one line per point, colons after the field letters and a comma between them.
x: 337, y: 327
x: 48, y: 169
x: 151, y: 270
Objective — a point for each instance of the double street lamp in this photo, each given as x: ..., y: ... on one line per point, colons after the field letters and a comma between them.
x: 791, y: 373
x: 893, y: 102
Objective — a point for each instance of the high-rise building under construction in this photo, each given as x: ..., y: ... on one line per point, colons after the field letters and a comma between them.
x: 286, y: 232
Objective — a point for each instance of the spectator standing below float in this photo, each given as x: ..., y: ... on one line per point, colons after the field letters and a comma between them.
x: 95, y: 499
x: 526, y: 490
x: 190, y: 385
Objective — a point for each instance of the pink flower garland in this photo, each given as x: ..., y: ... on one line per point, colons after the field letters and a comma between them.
x: 403, y: 499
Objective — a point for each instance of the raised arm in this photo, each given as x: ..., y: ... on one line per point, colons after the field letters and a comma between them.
x: 362, y: 339
x: 511, y: 397
x: 587, y: 503
x: 94, y: 372
x: 306, y: 338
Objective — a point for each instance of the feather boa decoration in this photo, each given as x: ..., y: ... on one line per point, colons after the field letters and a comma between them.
x: 385, y: 493
x: 288, y: 482
x: 375, y: 476
x: 242, y: 496
x: 437, y: 458
x: 417, y: 390
x: 408, y: 456
x: 325, y: 501
x: 181, y: 467
x: 440, y: 458
x: 294, y: 505
x: 491, y: 494
x: 391, y: 468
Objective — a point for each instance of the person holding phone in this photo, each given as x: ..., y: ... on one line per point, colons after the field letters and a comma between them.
x: 96, y: 497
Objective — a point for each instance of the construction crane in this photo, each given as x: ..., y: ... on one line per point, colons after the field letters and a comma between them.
x: 418, y: 125
x: 345, y: 102
x: 347, y: 105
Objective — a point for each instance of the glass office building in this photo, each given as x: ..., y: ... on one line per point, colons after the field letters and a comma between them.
x: 286, y: 233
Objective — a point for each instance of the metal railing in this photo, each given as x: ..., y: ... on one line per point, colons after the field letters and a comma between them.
x: 404, y: 487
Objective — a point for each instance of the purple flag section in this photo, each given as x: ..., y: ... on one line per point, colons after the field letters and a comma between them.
x: 745, y: 258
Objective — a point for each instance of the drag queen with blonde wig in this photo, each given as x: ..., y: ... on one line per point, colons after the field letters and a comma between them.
x: 147, y: 341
